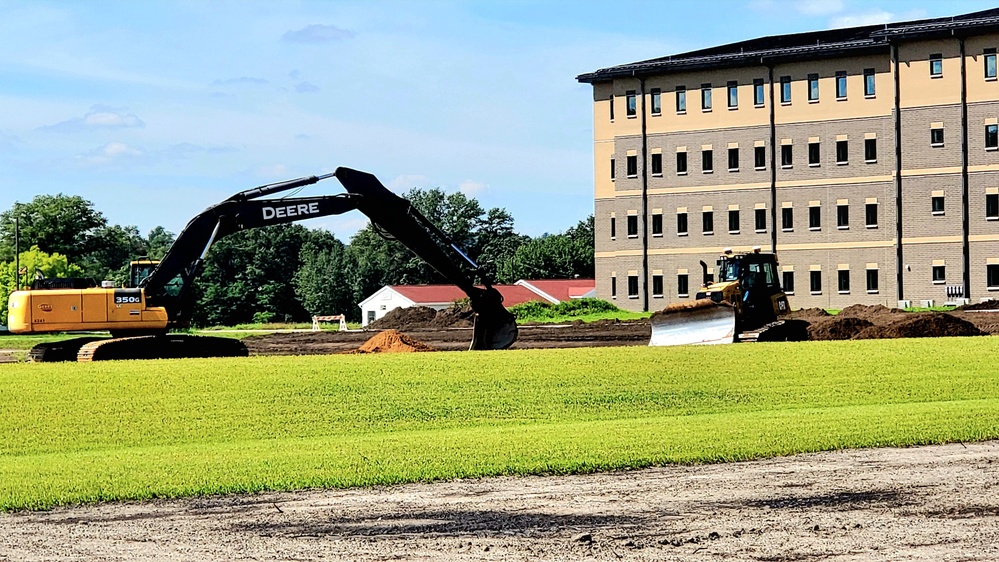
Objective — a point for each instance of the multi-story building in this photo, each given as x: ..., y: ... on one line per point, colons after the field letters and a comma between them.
x: 867, y: 158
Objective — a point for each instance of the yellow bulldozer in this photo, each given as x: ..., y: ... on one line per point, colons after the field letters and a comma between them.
x: 744, y: 303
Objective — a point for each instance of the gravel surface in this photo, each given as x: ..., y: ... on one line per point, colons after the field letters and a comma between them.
x: 922, y: 503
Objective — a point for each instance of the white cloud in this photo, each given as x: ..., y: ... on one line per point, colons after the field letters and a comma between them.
x: 472, y: 188
x: 99, y: 116
x: 276, y: 170
x: 819, y: 7
x: 238, y: 81
x: 317, y: 33
x: 402, y: 184
x: 111, y: 152
x: 874, y: 17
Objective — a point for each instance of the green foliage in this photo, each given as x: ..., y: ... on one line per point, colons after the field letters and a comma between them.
x: 557, y: 256
x: 33, y: 261
x: 326, y: 280
x: 185, y: 427
x: 63, y: 224
x: 541, y: 311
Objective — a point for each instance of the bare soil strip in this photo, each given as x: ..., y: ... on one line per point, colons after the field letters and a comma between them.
x: 922, y: 503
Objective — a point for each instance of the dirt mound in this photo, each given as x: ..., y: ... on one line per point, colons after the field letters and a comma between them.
x: 932, y: 325
x: 837, y: 328
x: 405, y: 318
x: 454, y: 317
x: 876, y: 314
x: 986, y: 305
x: 808, y: 314
x: 392, y: 341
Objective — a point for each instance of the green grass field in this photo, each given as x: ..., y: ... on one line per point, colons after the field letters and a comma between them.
x: 74, y: 433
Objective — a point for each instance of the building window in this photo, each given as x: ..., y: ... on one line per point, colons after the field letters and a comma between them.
x: 707, y: 161
x: 992, y: 276
x: 787, y: 219
x: 681, y: 99
x: 613, y: 228
x: 733, y: 159
x: 869, y: 82
x: 786, y: 155
x: 632, y: 286
x: 632, y: 164
x: 733, y: 222
x: 657, y: 286
x: 632, y: 226
x: 612, y: 108
x: 936, y: 136
x: 733, y: 95
x: 841, y: 85
x: 613, y: 287
x: 657, y: 101
x: 990, y: 64
x: 872, y: 281
x: 992, y: 206
x: 870, y: 150
x: 843, y: 278
x: 813, y: 87
x: 613, y: 169
x: 705, y: 97
x: 657, y: 224
x: 682, y: 285
x: 813, y: 154
x: 760, y: 157
x: 632, y: 103
x: 871, y: 215
x: 939, y: 274
x: 787, y: 280
x: 815, y: 282
x: 681, y: 224
x: 937, y: 204
x: 814, y: 217
x: 842, y: 152
x: 758, y: 99
x: 681, y: 163
x: 657, y: 164
x: 991, y: 137
x: 936, y: 65
x: 708, y: 222
x: 761, y: 220
x: 842, y: 217
x: 785, y: 89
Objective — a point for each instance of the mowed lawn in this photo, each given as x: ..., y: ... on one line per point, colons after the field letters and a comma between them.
x: 72, y: 433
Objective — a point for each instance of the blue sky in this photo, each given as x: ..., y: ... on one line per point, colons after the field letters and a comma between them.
x: 156, y: 110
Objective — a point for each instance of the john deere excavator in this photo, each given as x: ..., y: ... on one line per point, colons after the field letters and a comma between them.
x: 745, y: 303
x: 159, y: 299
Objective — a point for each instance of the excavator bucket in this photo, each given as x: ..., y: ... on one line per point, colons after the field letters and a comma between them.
x: 494, y: 327
x: 701, y: 322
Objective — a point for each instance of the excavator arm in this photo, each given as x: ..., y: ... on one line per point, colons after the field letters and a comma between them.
x: 169, y: 285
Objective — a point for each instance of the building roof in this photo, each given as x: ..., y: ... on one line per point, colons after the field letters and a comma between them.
x: 811, y: 45
x: 560, y: 289
x: 437, y: 294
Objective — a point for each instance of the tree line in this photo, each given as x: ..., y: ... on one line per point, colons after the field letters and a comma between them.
x: 285, y: 272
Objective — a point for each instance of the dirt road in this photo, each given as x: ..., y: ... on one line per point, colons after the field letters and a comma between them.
x: 924, y: 503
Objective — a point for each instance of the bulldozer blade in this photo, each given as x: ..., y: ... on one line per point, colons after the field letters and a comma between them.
x: 701, y: 322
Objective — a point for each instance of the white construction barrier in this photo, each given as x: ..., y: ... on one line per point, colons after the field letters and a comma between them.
x: 334, y: 318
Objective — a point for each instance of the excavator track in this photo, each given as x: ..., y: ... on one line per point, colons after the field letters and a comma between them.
x: 57, y: 351
x: 781, y: 330
x: 170, y: 346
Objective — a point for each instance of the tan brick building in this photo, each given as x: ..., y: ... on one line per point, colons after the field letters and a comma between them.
x: 867, y: 158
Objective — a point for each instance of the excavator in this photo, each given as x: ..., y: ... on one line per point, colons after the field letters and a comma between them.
x: 158, y: 299
x: 745, y: 303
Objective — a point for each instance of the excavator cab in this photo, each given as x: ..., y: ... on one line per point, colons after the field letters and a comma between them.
x: 140, y: 270
x: 745, y: 298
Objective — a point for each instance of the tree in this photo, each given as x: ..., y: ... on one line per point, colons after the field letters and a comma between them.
x: 113, y: 248
x: 158, y: 241
x: 554, y: 256
x: 250, y: 274
x: 325, y: 283
x: 33, y: 262
x: 63, y: 224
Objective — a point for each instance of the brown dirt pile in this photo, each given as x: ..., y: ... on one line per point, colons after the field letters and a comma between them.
x: 837, y: 328
x: 392, y: 341
x: 876, y: 314
x: 932, y: 325
x: 986, y: 305
x: 422, y: 317
x: 809, y: 314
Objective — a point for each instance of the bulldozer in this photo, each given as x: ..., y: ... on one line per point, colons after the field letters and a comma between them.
x: 144, y: 315
x: 744, y: 303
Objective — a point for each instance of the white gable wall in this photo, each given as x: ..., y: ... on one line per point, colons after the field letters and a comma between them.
x: 380, y: 303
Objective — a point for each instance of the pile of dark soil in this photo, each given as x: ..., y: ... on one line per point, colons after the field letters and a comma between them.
x: 809, y: 314
x: 987, y: 305
x: 876, y: 314
x: 392, y: 341
x: 930, y: 325
x: 837, y: 328
x: 454, y: 317
x: 405, y: 319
